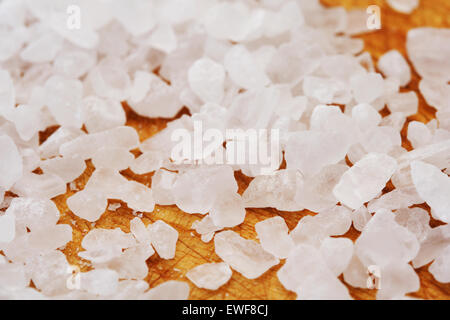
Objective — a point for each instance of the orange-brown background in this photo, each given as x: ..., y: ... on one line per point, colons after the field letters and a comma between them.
x: 191, y: 251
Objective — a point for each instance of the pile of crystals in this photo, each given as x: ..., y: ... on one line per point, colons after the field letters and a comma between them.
x: 288, y: 67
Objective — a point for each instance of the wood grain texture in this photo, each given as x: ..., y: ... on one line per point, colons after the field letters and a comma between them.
x: 191, y: 251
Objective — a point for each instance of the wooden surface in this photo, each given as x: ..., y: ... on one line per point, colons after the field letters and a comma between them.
x: 191, y: 251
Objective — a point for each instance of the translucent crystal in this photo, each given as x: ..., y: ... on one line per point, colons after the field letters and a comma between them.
x: 11, y: 166
x: 337, y: 253
x: 42, y: 49
x: 433, y: 187
x: 102, y: 114
x: 428, y: 49
x: 365, y: 180
x: 306, y: 273
x: 245, y: 256
x: 407, y: 103
x: 415, y: 220
x: 439, y: 268
x: 162, y: 184
x: 396, y: 199
x: 360, y: 217
x: 367, y: 87
x: 112, y: 158
x: 162, y: 100
x: 394, y: 65
x: 418, y: 134
x: 206, y: 228
x: 206, y: 79
x: 276, y: 191
x: 314, y: 229
x: 191, y: 187
x: 436, y: 93
x: 86, y: 146
x: 64, y: 98
x: 74, y: 63
x: 316, y: 193
x: 136, y: 16
x: 210, y: 276
x: 163, y: 38
x: 49, y: 272
x: 274, y: 238
x: 7, y: 227
x: 243, y: 69
x: 384, y: 242
x: 436, y: 241
x: 110, y: 79
x: 164, y: 239
x: 67, y: 168
x: 100, y: 281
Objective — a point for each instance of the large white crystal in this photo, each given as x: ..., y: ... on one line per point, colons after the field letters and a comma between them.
x: 419, y: 134
x: 50, y: 147
x: 245, y: 256
x: 397, y: 280
x: 428, y: 49
x: 161, y: 100
x: 33, y: 214
x: 67, y: 168
x: 86, y: 146
x: 7, y: 227
x: 243, y: 68
x: 210, y: 276
x: 100, y: 281
x: 190, y: 188
x: 109, y: 79
x: 140, y: 231
x: 42, y: 49
x: 315, y: 193
x: 439, y: 268
x: 164, y: 239
x: 64, y: 100
x: 436, y: 241
x: 102, y: 114
x: 11, y: 166
x: 274, y: 237
x: 314, y: 229
x: 277, y: 190
x: 233, y: 21
x: 337, y: 253
x: 383, y: 241
x: 360, y: 217
x: 367, y: 87
x: 50, y: 272
x: 162, y: 184
x: 112, y: 158
x: 415, y: 220
x: 164, y: 38
x: 50, y: 238
x: 433, y: 186
x: 365, y: 179
x: 396, y: 199
x: 7, y: 94
x: 206, y: 79
x: 306, y: 273
x: 46, y: 185
x: 310, y: 151
x: 436, y: 93
x: 405, y: 102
